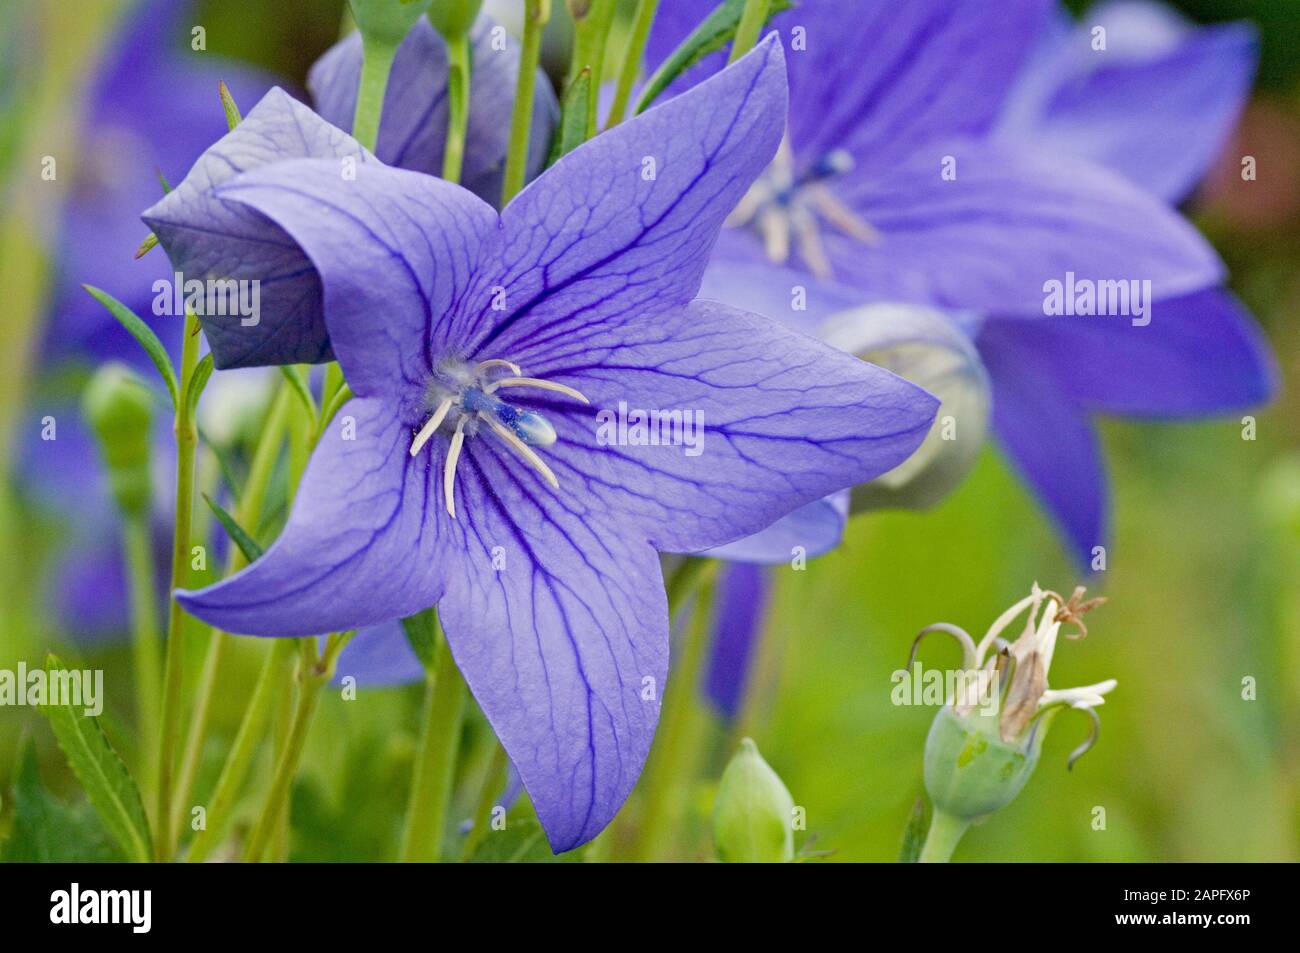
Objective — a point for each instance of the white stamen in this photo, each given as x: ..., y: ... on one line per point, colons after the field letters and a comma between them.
x: 810, y: 242
x: 536, y: 382
x: 522, y: 448
x: 449, y: 471
x: 840, y: 215
x: 433, y: 424
x: 497, y: 362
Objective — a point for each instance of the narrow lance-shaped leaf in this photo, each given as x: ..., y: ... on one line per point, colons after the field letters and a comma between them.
x: 247, y: 545
x: 717, y: 30
x: 146, y: 338
x: 97, y: 766
x: 574, y: 115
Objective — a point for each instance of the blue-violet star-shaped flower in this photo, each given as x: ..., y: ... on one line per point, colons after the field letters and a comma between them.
x: 472, y: 470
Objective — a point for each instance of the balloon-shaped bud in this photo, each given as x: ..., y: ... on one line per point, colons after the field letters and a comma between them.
x: 118, y: 405
x: 753, y: 817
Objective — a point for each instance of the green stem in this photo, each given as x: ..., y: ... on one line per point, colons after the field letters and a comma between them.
x: 944, y: 834
x: 493, y: 781
x: 313, y: 676
x: 251, y: 731
x: 751, y: 23
x: 376, y: 62
x: 146, y: 647
x: 632, y: 57
x: 435, y: 764
x: 458, y: 79
x: 186, y: 441
x: 671, y: 767
x: 536, y: 13
x: 591, y: 35
x: 249, y: 515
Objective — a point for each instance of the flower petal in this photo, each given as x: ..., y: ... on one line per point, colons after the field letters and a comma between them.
x: 395, y: 251
x: 1157, y: 106
x: 624, y: 223
x: 362, y: 545
x: 379, y: 656
x: 1048, y: 437
x: 933, y: 68
x: 743, y: 594
x: 767, y: 421
x: 814, y: 529
x: 556, y: 616
x: 413, y: 125
x: 1011, y: 220
x: 1201, y: 354
x: 206, y: 236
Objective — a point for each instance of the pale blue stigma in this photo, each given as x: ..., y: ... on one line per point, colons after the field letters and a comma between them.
x: 528, y: 425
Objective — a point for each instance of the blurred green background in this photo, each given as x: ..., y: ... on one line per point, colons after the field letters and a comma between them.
x: 1203, y: 579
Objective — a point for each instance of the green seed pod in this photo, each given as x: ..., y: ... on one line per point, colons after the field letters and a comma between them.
x: 753, y: 816
x: 969, y: 770
x: 119, y: 408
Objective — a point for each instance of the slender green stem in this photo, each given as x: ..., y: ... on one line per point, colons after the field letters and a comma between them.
x: 186, y: 441
x: 751, y: 23
x: 313, y: 675
x: 630, y: 68
x: 219, y: 813
x: 376, y: 62
x: 591, y: 36
x: 536, y: 13
x: 458, y: 79
x: 672, y: 761
x: 146, y: 646
x: 942, y: 839
x: 493, y: 780
x: 435, y: 761
x: 249, y: 514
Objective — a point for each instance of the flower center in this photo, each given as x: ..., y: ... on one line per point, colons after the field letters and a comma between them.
x: 463, y: 398
x: 788, y: 210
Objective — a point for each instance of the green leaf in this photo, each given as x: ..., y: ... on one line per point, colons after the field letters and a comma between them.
x: 45, y: 830
x: 572, y: 131
x: 422, y: 632
x: 521, y: 842
x: 247, y: 545
x: 146, y: 338
x: 717, y: 30
x: 202, y: 371
x: 101, y: 772
x: 296, y: 380
x: 913, y: 834
x: 233, y: 118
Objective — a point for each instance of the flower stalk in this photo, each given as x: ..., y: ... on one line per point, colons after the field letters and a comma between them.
x: 435, y: 760
x: 751, y: 23
x: 169, y: 732
x: 536, y: 15
x: 633, y: 54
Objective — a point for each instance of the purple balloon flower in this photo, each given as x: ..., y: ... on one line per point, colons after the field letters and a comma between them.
x: 208, y: 235
x: 472, y: 340
x: 744, y: 591
x: 953, y: 270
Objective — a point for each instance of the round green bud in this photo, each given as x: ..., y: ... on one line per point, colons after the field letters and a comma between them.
x: 119, y: 408
x: 454, y: 18
x: 753, y: 817
x: 969, y: 770
x: 387, y: 21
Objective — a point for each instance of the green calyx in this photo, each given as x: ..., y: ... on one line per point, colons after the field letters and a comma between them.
x: 969, y: 770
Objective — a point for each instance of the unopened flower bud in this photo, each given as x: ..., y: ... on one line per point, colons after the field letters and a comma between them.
x: 754, y: 813
x: 386, y: 21
x: 453, y: 18
x: 119, y: 408
x: 930, y: 349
